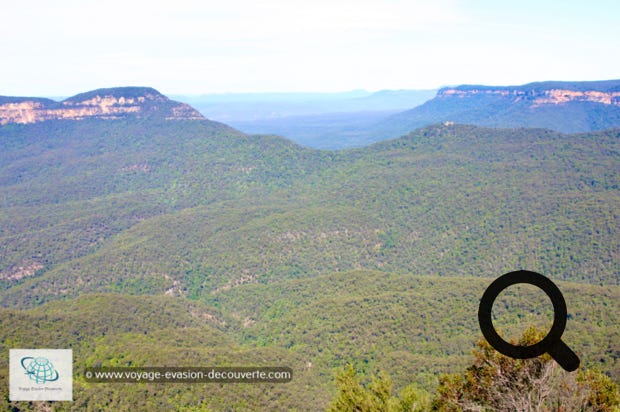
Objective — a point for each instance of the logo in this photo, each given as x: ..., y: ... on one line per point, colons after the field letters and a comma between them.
x: 40, y: 374
x: 40, y: 369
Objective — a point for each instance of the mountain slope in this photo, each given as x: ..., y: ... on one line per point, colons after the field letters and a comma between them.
x: 74, y: 185
x: 115, y: 330
x: 567, y: 107
x: 413, y: 327
x: 191, y: 208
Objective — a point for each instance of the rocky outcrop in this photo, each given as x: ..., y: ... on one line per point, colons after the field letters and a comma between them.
x: 566, y: 96
x: 568, y: 107
x: 539, y: 94
x: 111, y: 103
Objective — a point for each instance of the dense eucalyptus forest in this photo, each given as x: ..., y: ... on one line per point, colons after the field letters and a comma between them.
x: 152, y: 242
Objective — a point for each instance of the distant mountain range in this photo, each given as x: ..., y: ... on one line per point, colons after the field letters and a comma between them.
x: 567, y: 107
x: 318, y: 120
x: 113, y: 103
x: 336, y: 121
x: 351, y: 119
x: 245, y: 108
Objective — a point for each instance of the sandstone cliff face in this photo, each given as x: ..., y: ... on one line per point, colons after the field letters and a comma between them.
x: 565, y: 96
x: 103, y: 103
x: 567, y: 107
x: 537, y: 97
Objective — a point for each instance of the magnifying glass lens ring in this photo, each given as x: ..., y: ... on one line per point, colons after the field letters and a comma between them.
x: 486, y: 306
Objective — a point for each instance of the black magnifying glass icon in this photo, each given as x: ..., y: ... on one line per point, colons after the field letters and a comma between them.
x: 551, y: 344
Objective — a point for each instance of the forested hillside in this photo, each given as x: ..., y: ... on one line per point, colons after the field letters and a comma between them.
x: 118, y: 237
x: 412, y: 327
x: 192, y: 207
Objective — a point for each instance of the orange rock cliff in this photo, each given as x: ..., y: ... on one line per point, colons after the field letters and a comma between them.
x: 537, y: 97
x: 111, y: 103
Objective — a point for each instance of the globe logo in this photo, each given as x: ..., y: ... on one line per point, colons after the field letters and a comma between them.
x: 39, y: 369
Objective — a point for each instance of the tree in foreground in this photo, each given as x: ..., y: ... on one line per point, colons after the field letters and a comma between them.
x: 498, y: 383
x: 376, y: 396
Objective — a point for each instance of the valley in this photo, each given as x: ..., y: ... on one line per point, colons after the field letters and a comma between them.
x: 143, y: 238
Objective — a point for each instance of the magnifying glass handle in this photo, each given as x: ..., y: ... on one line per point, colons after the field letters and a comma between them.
x: 564, y: 356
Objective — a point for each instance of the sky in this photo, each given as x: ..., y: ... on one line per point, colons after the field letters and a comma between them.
x: 64, y: 47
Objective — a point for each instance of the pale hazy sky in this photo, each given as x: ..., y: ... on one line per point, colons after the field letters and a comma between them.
x: 63, y: 47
